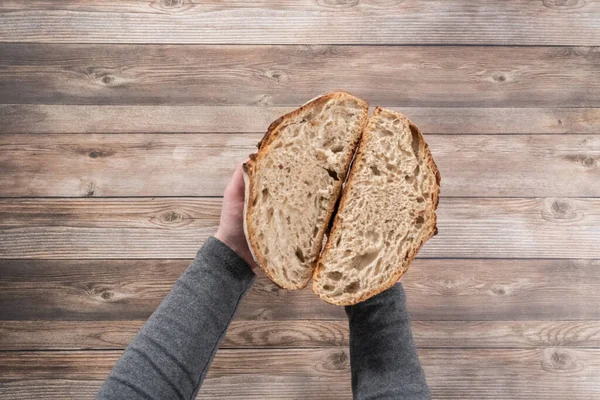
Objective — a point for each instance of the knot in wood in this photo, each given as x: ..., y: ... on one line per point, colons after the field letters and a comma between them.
x: 564, y: 4
x: 171, y: 3
x: 338, y: 3
x: 98, y: 153
x: 499, y: 290
x: 589, y: 162
x: 559, y: 360
x: 584, y: 160
x: 171, y: 216
x: 107, y: 79
x: 337, y: 361
x: 561, y: 208
x: 101, y: 293
x: 499, y: 77
x: 278, y: 76
x: 106, y: 295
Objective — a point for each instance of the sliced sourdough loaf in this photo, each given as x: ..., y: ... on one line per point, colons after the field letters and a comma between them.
x: 294, y: 182
x: 386, y: 212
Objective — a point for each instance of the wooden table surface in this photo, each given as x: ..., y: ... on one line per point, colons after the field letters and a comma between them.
x: 121, y: 122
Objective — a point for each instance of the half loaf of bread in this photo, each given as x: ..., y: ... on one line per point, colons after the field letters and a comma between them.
x: 294, y: 182
x: 386, y: 213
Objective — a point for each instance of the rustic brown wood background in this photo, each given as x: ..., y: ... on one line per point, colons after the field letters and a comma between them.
x: 121, y: 121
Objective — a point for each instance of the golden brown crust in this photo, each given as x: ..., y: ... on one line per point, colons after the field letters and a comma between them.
x: 250, y: 171
x: 411, y: 255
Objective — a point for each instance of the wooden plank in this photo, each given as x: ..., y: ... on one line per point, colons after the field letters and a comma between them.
x: 67, y: 335
x: 545, y: 373
x: 58, y: 389
x: 146, y: 228
x: 135, y: 160
x: 506, y: 334
x: 125, y: 228
x: 120, y: 165
x: 549, y: 373
x: 95, y: 165
x: 515, y: 22
x: 110, y: 335
x: 110, y: 290
x: 49, y: 118
x: 77, y: 335
x: 398, y: 76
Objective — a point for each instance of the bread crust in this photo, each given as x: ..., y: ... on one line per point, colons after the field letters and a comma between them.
x: 336, y: 224
x: 249, y: 170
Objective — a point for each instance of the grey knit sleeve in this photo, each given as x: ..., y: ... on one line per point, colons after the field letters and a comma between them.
x: 383, y: 357
x: 170, y: 356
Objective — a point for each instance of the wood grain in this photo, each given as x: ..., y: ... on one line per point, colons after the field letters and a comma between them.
x: 94, y: 228
x: 415, y: 76
x: 146, y: 228
x: 175, y: 228
x: 49, y: 118
x: 437, y: 290
x: 97, y: 165
x: 257, y: 334
x: 109, y: 165
x: 120, y: 165
x: 515, y: 22
x: 548, y: 373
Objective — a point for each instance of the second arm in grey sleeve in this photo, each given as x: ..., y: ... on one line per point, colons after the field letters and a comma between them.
x: 170, y: 356
x: 383, y: 356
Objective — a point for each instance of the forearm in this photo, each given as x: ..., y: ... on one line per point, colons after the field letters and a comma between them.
x: 384, y: 359
x: 170, y: 356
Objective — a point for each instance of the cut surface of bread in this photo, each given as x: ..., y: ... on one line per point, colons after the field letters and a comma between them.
x: 386, y: 212
x: 294, y: 182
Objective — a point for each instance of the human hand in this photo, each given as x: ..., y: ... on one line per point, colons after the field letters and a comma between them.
x: 231, y: 225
